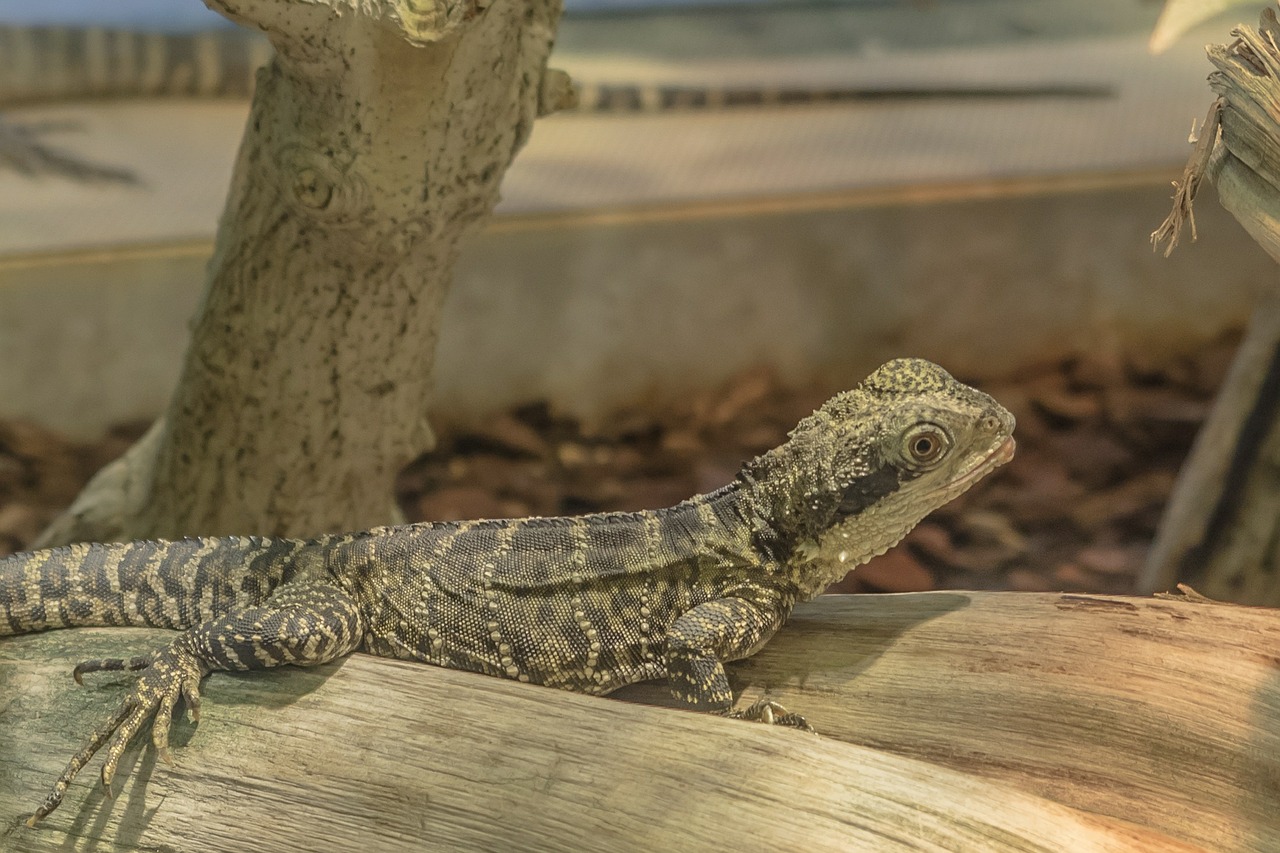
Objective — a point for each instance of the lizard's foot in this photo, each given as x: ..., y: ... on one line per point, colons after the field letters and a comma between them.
x: 169, y: 674
x: 771, y: 713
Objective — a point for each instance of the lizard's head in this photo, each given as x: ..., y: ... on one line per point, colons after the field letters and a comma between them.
x: 867, y: 466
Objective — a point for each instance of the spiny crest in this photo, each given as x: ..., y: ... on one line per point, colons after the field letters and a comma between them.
x: 900, y: 378
x: 909, y: 376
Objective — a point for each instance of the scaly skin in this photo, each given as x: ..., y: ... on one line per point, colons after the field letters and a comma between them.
x: 586, y: 604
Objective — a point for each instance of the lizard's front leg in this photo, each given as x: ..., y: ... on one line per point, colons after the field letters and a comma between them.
x: 703, y: 638
x: 304, y: 624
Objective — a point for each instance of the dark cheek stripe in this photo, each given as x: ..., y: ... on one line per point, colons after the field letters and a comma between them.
x: 870, y: 489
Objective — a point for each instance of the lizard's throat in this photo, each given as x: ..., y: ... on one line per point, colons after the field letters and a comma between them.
x: 818, y: 563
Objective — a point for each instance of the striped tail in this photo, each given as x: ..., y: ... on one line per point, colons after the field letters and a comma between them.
x: 158, y: 584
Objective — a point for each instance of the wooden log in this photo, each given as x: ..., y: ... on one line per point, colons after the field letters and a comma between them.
x: 949, y: 721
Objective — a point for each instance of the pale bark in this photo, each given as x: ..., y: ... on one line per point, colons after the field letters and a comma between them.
x: 376, y: 142
x: 948, y: 721
x: 1221, y: 531
x: 1222, y: 492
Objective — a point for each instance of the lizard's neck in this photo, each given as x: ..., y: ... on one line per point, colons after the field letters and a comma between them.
x: 714, y: 528
x: 817, y: 562
x: 811, y: 540
x: 769, y: 551
x: 753, y: 524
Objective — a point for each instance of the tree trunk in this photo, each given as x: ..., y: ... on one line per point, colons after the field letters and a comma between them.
x: 376, y: 142
x: 947, y: 721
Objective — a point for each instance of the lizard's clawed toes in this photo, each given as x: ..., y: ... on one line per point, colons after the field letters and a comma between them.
x: 110, y: 665
x: 168, y: 675
x: 771, y: 713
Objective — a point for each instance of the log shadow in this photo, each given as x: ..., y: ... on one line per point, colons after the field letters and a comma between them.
x: 820, y: 649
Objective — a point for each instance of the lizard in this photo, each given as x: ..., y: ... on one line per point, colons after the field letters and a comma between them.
x: 46, y: 64
x: 587, y: 603
x: 50, y: 64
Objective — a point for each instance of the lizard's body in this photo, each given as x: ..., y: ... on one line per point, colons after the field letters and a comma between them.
x: 53, y: 64
x: 581, y: 603
x: 587, y: 604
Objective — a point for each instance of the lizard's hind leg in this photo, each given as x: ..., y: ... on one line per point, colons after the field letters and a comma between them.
x: 304, y: 625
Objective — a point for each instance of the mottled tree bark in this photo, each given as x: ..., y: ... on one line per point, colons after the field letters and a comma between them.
x: 376, y: 143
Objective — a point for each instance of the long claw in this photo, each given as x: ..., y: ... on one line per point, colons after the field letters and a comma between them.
x: 116, y: 746
x: 771, y: 713
x: 794, y: 721
x: 191, y: 693
x: 163, y: 718
x: 77, y: 762
x: 171, y: 674
x: 110, y: 665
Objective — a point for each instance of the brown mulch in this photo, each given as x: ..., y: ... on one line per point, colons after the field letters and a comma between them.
x: 1098, y: 450
x: 41, y: 472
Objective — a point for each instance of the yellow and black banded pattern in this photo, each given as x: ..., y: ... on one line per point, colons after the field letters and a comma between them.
x: 160, y: 584
x: 47, y: 64
x: 44, y: 64
x: 586, y: 604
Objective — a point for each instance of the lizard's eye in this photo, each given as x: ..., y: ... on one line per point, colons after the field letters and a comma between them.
x: 925, y: 444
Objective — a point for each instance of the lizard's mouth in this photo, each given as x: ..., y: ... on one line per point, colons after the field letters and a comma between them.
x: 1003, y: 453
x: 999, y: 455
